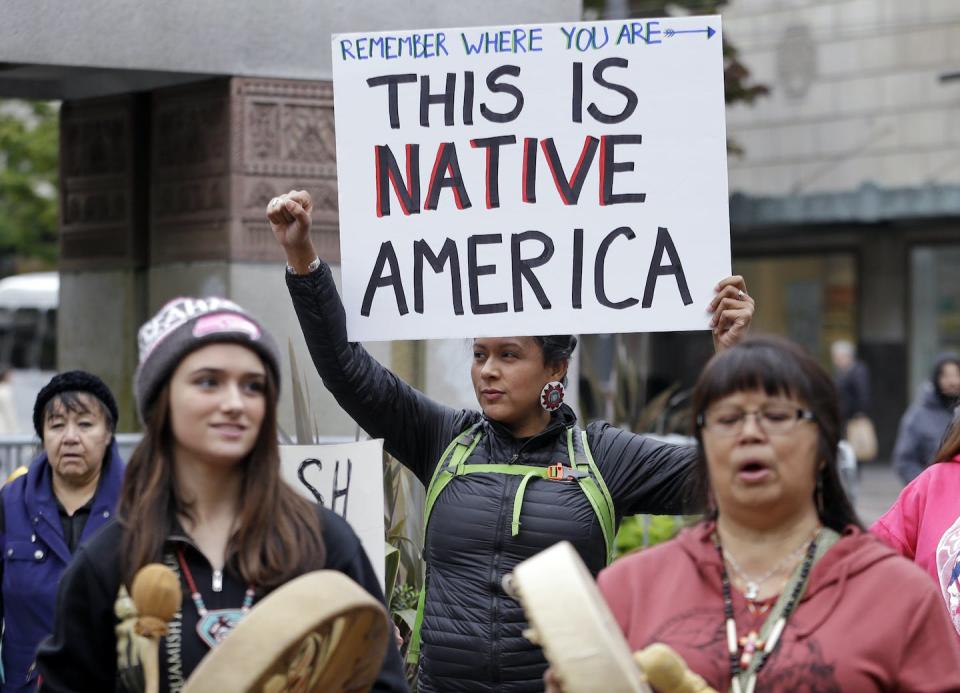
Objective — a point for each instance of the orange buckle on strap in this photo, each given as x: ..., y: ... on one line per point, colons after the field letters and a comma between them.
x: 555, y: 472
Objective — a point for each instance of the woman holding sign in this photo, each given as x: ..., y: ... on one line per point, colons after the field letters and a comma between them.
x: 203, y: 494
x: 503, y: 483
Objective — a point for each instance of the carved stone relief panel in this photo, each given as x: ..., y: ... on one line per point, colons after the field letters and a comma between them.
x: 101, y: 172
x: 80, y: 243
x: 308, y: 134
x: 190, y: 208
x: 264, y: 132
x: 283, y: 139
x: 191, y: 242
x: 191, y: 129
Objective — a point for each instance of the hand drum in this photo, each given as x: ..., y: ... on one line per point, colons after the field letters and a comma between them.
x: 319, y: 632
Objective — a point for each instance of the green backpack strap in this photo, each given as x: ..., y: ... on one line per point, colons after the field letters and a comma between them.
x: 452, y: 464
x: 459, y: 449
x: 593, y: 486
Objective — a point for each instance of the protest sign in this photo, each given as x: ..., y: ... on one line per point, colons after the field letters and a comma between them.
x: 348, y: 479
x: 536, y: 179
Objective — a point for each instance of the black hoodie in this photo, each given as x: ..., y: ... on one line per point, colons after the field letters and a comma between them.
x: 923, y: 425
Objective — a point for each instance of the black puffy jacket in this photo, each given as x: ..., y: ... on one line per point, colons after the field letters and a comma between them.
x: 472, y: 631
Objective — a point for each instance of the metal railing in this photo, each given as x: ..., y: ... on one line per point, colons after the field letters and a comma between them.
x: 19, y: 450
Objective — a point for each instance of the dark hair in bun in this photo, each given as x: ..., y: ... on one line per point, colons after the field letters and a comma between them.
x: 557, y: 347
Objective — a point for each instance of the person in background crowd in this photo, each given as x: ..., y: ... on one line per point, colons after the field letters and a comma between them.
x: 779, y: 588
x: 69, y: 491
x: 202, y: 494
x: 497, y: 502
x: 853, y: 390
x: 852, y: 379
x: 925, y: 421
x: 924, y: 522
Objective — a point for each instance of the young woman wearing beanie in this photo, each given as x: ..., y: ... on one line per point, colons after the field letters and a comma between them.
x: 202, y: 494
x: 69, y: 491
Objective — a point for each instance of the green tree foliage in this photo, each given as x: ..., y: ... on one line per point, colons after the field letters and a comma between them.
x: 29, y: 143
x: 642, y: 531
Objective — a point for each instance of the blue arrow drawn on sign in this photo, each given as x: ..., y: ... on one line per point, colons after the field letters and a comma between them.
x: 709, y: 31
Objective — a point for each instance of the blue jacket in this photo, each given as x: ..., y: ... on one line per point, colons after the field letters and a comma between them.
x: 35, y: 555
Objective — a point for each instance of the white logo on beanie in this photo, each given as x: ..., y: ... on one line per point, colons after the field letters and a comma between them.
x: 175, y: 314
x: 225, y: 322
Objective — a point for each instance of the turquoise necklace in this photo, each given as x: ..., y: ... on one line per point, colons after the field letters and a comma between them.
x: 213, y: 626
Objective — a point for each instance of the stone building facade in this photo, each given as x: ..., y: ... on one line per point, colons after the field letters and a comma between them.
x: 175, y: 134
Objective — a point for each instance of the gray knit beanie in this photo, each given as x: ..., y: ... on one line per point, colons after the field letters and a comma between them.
x: 184, y: 325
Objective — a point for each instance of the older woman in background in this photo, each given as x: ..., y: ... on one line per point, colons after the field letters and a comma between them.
x: 69, y: 491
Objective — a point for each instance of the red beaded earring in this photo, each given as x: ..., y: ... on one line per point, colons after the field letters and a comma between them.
x: 551, y: 396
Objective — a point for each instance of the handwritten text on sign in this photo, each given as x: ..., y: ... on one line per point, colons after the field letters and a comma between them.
x: 346, y: 478
x: 531, y: 179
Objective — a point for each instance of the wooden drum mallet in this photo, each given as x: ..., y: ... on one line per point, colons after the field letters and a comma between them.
x: 156, y: 592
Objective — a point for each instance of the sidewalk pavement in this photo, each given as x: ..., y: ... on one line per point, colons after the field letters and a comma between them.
x: 879, y: 488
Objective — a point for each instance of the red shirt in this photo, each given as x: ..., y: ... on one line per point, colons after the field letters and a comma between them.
x: 868, y: 621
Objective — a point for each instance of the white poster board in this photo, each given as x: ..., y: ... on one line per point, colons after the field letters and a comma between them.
x: 348, y: 478
x: 537, y: 179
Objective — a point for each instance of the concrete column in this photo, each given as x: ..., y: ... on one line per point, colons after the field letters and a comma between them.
x: 103, y: 240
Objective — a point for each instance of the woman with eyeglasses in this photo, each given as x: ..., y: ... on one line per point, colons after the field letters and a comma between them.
x: 779, y: 588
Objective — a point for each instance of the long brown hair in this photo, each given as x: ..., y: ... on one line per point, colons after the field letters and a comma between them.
x: 950, y: 447
x: 278, y: 534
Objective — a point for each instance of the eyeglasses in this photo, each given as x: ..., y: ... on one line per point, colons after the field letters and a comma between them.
x: 774, y: 419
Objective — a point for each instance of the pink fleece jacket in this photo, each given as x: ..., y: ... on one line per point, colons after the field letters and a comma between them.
x: 924, y: 525
x: 869, y: 620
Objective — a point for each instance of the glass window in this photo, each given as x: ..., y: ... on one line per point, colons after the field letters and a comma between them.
x: 935, y: 307
x: 811, y: 299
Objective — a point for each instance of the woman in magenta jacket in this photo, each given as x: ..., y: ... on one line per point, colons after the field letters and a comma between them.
x: 924, y: 522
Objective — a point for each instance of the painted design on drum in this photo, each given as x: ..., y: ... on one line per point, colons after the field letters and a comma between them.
x: 699, y: 637
x: 948, y: 570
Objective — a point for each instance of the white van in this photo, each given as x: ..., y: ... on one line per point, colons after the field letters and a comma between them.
x: 28, y: 336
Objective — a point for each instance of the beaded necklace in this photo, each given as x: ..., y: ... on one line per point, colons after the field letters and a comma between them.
x: 214, y: 626
x: 754, y: 584
x: 756, y: 651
